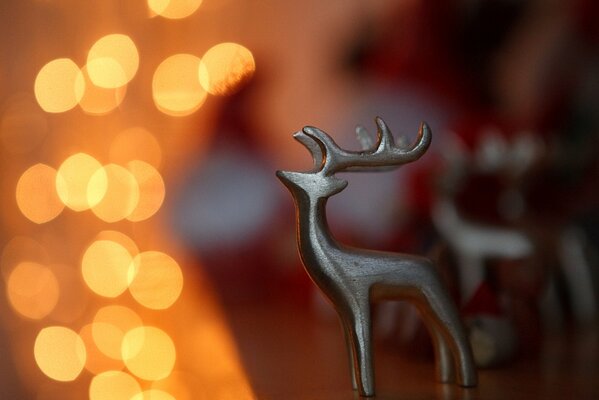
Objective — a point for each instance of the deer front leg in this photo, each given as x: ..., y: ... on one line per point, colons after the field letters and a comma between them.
x: 360, y: 334
x: 347, y: 335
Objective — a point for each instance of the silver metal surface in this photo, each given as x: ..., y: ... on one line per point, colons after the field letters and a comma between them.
x: 352, y: 278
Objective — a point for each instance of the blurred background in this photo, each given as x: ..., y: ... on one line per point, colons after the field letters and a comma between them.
x: 148, y: 252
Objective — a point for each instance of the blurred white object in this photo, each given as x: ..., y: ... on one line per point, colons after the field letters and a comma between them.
x: 226, y: 200
x: 474, y: 243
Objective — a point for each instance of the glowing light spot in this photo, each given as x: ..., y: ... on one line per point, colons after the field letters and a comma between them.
x: 59, y: 353
x: 176, y: 88
x: 18, y: 249
x: 112, y: 61
x: 73, y: 178
x: 97, y: 362
x: 36, y: 194
x: 59, y: 86
x: 225, y: 67
x: 119, y: 198
x: 106, y: 268
x: 114, y: 385
x: 158, y: 280
x: 120, y: 238
x: 174, y: 9
x: 97, y: 100
x: 24, y: 126
x: 149, y: 353
x: 153, y: 394
x: 32, y: 290
x: 151, y: 190
x: 110, y: 325
x: 135, y: 144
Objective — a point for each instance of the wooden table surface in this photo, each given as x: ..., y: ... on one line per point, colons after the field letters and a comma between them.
x: 291, y: 353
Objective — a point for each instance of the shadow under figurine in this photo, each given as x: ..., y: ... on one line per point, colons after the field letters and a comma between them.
x: 351, y: 278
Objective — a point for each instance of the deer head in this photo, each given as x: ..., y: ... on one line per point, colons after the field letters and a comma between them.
x: 329, y: 158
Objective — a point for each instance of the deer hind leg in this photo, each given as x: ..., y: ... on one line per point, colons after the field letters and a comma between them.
x: 444, y: 362
x: 358, y: 330
x: 443, y: 314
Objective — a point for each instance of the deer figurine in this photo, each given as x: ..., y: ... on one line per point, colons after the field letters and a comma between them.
x: 352, y: 278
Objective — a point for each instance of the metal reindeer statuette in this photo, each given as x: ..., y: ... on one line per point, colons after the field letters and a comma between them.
x: 351, y: 278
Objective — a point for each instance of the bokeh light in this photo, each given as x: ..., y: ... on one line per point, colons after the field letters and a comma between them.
x: 59, y: 85
x: 114, y: 385
x: 174, y: 9
x: 106, y: 267
x: 112, y: 61
x: 73, y: 178
x: 153, y: 394
x: 176, y: 87
x: 224, y: 67
x: 120, y: 238
x: 98, y: 100
x: 36, y: 194
x: 110, y: 325
x: 151, y: 190
x: 149, y: 353
x: 32, y: 290
x: 24, y: 126
x: 135, y: 143
x: 158, y: 280
x: 119, y: 197
x: 96, y: 361
x: 59, y: 353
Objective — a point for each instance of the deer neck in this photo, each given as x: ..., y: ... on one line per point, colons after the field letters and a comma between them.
x: 313, y: 234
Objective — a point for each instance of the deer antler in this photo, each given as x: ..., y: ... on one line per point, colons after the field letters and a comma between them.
x: 313, y: 147
x: 384, y: 154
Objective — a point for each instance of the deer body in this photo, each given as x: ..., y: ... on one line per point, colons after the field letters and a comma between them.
x: 351, y: 278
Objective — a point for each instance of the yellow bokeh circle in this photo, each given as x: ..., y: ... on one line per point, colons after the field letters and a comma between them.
x: 118, y: 191
x: 110, y: 325
x: 158, y: 280
x: 149, y: 353
x: 107, y: 268
x: 36, y: 194
x: 97, y: 362
x: 174, y: 9
x: 32, y: 290
x: 99, y: 100
x: 176, y: 88
x: 225, y: 67
x: 59, y: 85
x: 60, y: 353
x: 114, y: 385
x: 112, y: 61
x: 73, y: 181
x: 120, y: 238
x: 151, y: 190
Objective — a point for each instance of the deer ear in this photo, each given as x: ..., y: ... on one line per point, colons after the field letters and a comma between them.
x: 312, y: 146
x: 340, y: 184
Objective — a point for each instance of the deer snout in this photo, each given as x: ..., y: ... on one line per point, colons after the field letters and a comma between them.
x: 284, y: 177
